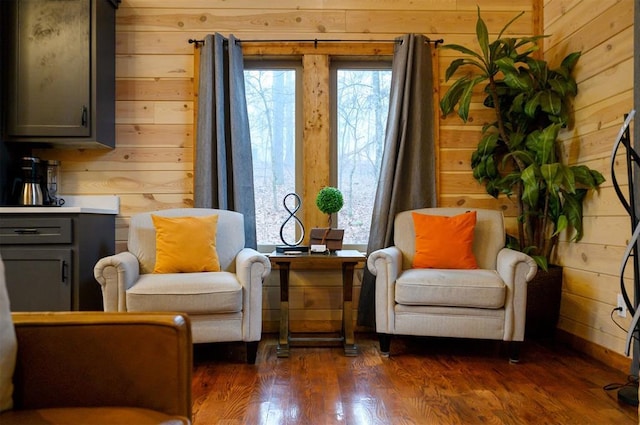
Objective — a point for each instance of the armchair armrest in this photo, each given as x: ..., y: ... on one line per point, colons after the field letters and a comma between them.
x: 116, y: 274
x: 516, y: 269
x: 252, y: 268
x: 79, y: 359
x: 386, y: 265
x: 391, y: 258
x: 246, y: 260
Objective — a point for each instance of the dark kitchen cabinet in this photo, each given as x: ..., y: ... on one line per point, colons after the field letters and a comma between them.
x: 49, y: 259
x: 39, y: 279
x: 61, y: 72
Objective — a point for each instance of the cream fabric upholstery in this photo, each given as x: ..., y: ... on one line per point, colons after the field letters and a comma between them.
x: 223, y: 306
x: 8, y: 346
x: 486, y: 303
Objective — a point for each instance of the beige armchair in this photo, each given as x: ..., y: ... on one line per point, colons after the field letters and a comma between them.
x: 224, y: 305
x: 484, y: 303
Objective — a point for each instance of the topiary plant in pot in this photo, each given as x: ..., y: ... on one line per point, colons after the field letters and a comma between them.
x: 518, y: 154
x: 329, y: 200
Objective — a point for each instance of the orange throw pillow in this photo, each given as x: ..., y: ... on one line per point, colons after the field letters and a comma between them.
x: 186, y: 244
x: 444, y: 242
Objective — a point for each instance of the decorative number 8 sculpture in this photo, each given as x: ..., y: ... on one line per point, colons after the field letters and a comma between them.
x: 292, y: 214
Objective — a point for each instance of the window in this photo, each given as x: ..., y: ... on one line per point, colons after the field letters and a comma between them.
x: 272, y: 110
x: 348, y: 96
x: 361, y: 109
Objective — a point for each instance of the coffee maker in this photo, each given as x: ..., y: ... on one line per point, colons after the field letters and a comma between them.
x: 29, y: 185
x: 36, y: 183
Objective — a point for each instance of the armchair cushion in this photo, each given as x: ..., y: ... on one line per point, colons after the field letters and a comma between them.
x: 193, y: 293
x: 186, y: 244
x: 444, y: 242
x: 142, y: 235
x: 452, y: 288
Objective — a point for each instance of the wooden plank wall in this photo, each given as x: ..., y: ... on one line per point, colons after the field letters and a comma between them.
x: 152, y: 165
x: 603, y: 32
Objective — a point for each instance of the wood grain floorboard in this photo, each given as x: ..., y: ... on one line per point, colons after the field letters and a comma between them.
x: 424, y: 381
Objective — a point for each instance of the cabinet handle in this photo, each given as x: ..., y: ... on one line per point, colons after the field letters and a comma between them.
x: 85, y: 113
x: 63, y: 271
x: 26, y: 231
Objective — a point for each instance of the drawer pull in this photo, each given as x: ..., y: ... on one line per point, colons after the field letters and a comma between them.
x: 26, y: 231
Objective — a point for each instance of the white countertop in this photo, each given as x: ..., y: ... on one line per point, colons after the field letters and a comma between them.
x: 88, y: 204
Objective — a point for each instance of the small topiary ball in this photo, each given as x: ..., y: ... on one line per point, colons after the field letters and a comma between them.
x: 329, y: 200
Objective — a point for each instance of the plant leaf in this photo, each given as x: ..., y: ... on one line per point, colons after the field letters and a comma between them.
x: 562, y: 87
x: 561, y: 224
x: 506, y: 64
x: 465, y: 99
x: 586, y: 177
x: 541, y: 261
x: 543, y: 143
x: 518, y: 80
x: 488, y: 144
x: 550, y: 102
x: 568, y: 179
x: 597, y: 177
x: 530, y: 190
x: 462, y: 49
x: 570, y: 60
x: 532, y: 105
x: 551, y: 173
x: 508, y: 23
x: 453, y: 67
x: 452, y: 96
x: 483, y: 36
x: 572, y: 208
x: 539, y: 69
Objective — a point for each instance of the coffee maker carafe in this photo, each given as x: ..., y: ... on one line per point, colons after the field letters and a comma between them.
x: 31, y: 191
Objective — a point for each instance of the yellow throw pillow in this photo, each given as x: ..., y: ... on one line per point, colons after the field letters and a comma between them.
x: 186, y: 244
x: 444, y: 242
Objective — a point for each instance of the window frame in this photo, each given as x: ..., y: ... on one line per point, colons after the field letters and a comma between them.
x: 313, y: 55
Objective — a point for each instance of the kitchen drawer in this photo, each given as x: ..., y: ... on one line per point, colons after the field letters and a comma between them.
x: 15, y: 231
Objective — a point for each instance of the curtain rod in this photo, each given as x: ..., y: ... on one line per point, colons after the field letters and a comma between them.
x: 315, y: 41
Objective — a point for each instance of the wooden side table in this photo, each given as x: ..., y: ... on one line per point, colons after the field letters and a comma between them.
x: 345, y: 259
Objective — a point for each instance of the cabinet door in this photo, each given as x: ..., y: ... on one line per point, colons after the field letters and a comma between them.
x: 50, y: 70
x: 38, y: 279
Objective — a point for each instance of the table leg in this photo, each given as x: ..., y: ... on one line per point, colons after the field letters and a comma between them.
x: 283, y: 341
x: 350, y: 348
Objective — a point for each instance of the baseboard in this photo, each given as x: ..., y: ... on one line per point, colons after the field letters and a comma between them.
x: 598, y: 352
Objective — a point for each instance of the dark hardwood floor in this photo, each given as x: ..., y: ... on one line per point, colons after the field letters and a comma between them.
x: 424, y: 381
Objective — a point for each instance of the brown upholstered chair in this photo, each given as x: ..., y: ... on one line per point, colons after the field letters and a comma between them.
x: 101, y: 368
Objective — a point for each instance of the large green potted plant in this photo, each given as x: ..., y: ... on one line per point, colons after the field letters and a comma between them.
x: 518, y: 154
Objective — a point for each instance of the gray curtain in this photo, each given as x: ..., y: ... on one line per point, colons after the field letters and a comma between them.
x: 223, y: 165
x: 407, y: 175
